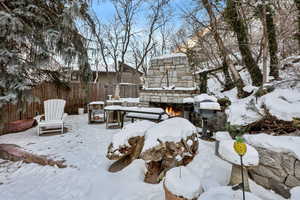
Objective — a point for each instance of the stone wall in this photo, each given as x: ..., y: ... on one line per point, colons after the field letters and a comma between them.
x: 276, y: 171
x: 175, y: 68
x: 169, y: 79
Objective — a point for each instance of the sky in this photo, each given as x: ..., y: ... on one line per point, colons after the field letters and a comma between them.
x: 105, y: 10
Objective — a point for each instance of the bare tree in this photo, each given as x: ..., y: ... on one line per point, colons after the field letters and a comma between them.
x: 144, y: 46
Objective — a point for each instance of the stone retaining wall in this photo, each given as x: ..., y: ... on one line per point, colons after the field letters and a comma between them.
x: 276, y: 171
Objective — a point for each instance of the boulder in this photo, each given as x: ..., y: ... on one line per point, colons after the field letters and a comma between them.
x: 297, y: 169
x: 292, y: 181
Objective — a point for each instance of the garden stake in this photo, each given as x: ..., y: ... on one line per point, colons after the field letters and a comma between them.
x: 243, y: 185
x: 241, y: 148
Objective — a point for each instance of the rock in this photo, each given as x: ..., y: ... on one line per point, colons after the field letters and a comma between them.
x: 261, y: 180
x: 288, y: 164
x: 274, y: 174
x: 280, y: 188
x: 297, y: 169
x: 269, y: 158
x: 292, y: 181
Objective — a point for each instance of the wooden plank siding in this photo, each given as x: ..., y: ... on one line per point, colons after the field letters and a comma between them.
x: 76, y: 97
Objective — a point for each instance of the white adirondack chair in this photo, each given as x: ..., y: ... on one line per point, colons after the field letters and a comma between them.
x: 54, y: 116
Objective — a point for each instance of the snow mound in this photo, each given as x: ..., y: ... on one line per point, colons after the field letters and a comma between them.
x: 238, y: 112
x: 295, y: 193
x: 131, y: 130
x: 283, y: 103
x: 210, y: 106
x: 222, y: 135
x: 286, y: 144
x: 203, y: 97
x: 226, y: 193
x: 171, y: 130
x: 226, y: 151
x: 181, y: 181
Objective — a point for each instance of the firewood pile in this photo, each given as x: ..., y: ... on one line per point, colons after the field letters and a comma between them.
x: 160, y: 156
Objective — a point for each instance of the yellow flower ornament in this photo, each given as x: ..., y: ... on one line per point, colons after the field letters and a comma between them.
x: 239, y: 146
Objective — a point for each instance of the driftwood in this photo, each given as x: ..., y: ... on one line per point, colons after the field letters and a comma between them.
x: 15, y: 153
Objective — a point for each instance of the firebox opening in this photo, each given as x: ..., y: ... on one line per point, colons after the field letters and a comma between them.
x: 172, y: 111
x: 175, y: 109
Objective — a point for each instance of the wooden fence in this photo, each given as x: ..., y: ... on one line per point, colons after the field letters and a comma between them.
x: 76, y: 97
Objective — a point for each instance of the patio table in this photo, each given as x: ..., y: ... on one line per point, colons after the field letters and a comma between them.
x: 137, y: 112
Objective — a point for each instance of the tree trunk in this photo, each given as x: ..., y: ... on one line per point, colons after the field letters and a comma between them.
x: 273, y: 47
x: 297, y: 2
x: 227, y: 61
x: 228, y: 81
x: 238, y: 26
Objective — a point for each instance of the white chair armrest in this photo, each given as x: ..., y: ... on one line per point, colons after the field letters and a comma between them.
x: 64, y: 116
x: 38, y: 117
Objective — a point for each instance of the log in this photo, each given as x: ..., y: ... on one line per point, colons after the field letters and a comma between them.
x: 14, y: 153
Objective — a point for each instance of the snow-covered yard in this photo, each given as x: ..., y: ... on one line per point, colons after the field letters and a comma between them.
x: 84, y: 148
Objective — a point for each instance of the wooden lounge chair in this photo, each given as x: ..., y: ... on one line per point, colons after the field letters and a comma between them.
x: 54, y: 116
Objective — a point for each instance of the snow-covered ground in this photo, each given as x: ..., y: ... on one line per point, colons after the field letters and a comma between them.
x: 84, y: 148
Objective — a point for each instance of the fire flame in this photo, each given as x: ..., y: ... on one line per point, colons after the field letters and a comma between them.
x: 172, y: 112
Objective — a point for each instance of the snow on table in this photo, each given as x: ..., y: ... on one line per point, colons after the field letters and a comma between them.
x: 129, y: 131
x: 171, y: 130
x: 147, y: 116
x: 226, y: 193
x: 285, y: 144
x: 182, y: 181
x: 112, y: 108
x: 226, y: 151
x: 142, y: 109
x: 96, y: 103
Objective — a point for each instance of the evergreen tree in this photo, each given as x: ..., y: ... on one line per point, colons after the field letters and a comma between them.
x: 32, y: 32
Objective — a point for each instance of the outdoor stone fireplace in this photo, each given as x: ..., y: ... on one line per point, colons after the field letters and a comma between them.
x: 169, y: 83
